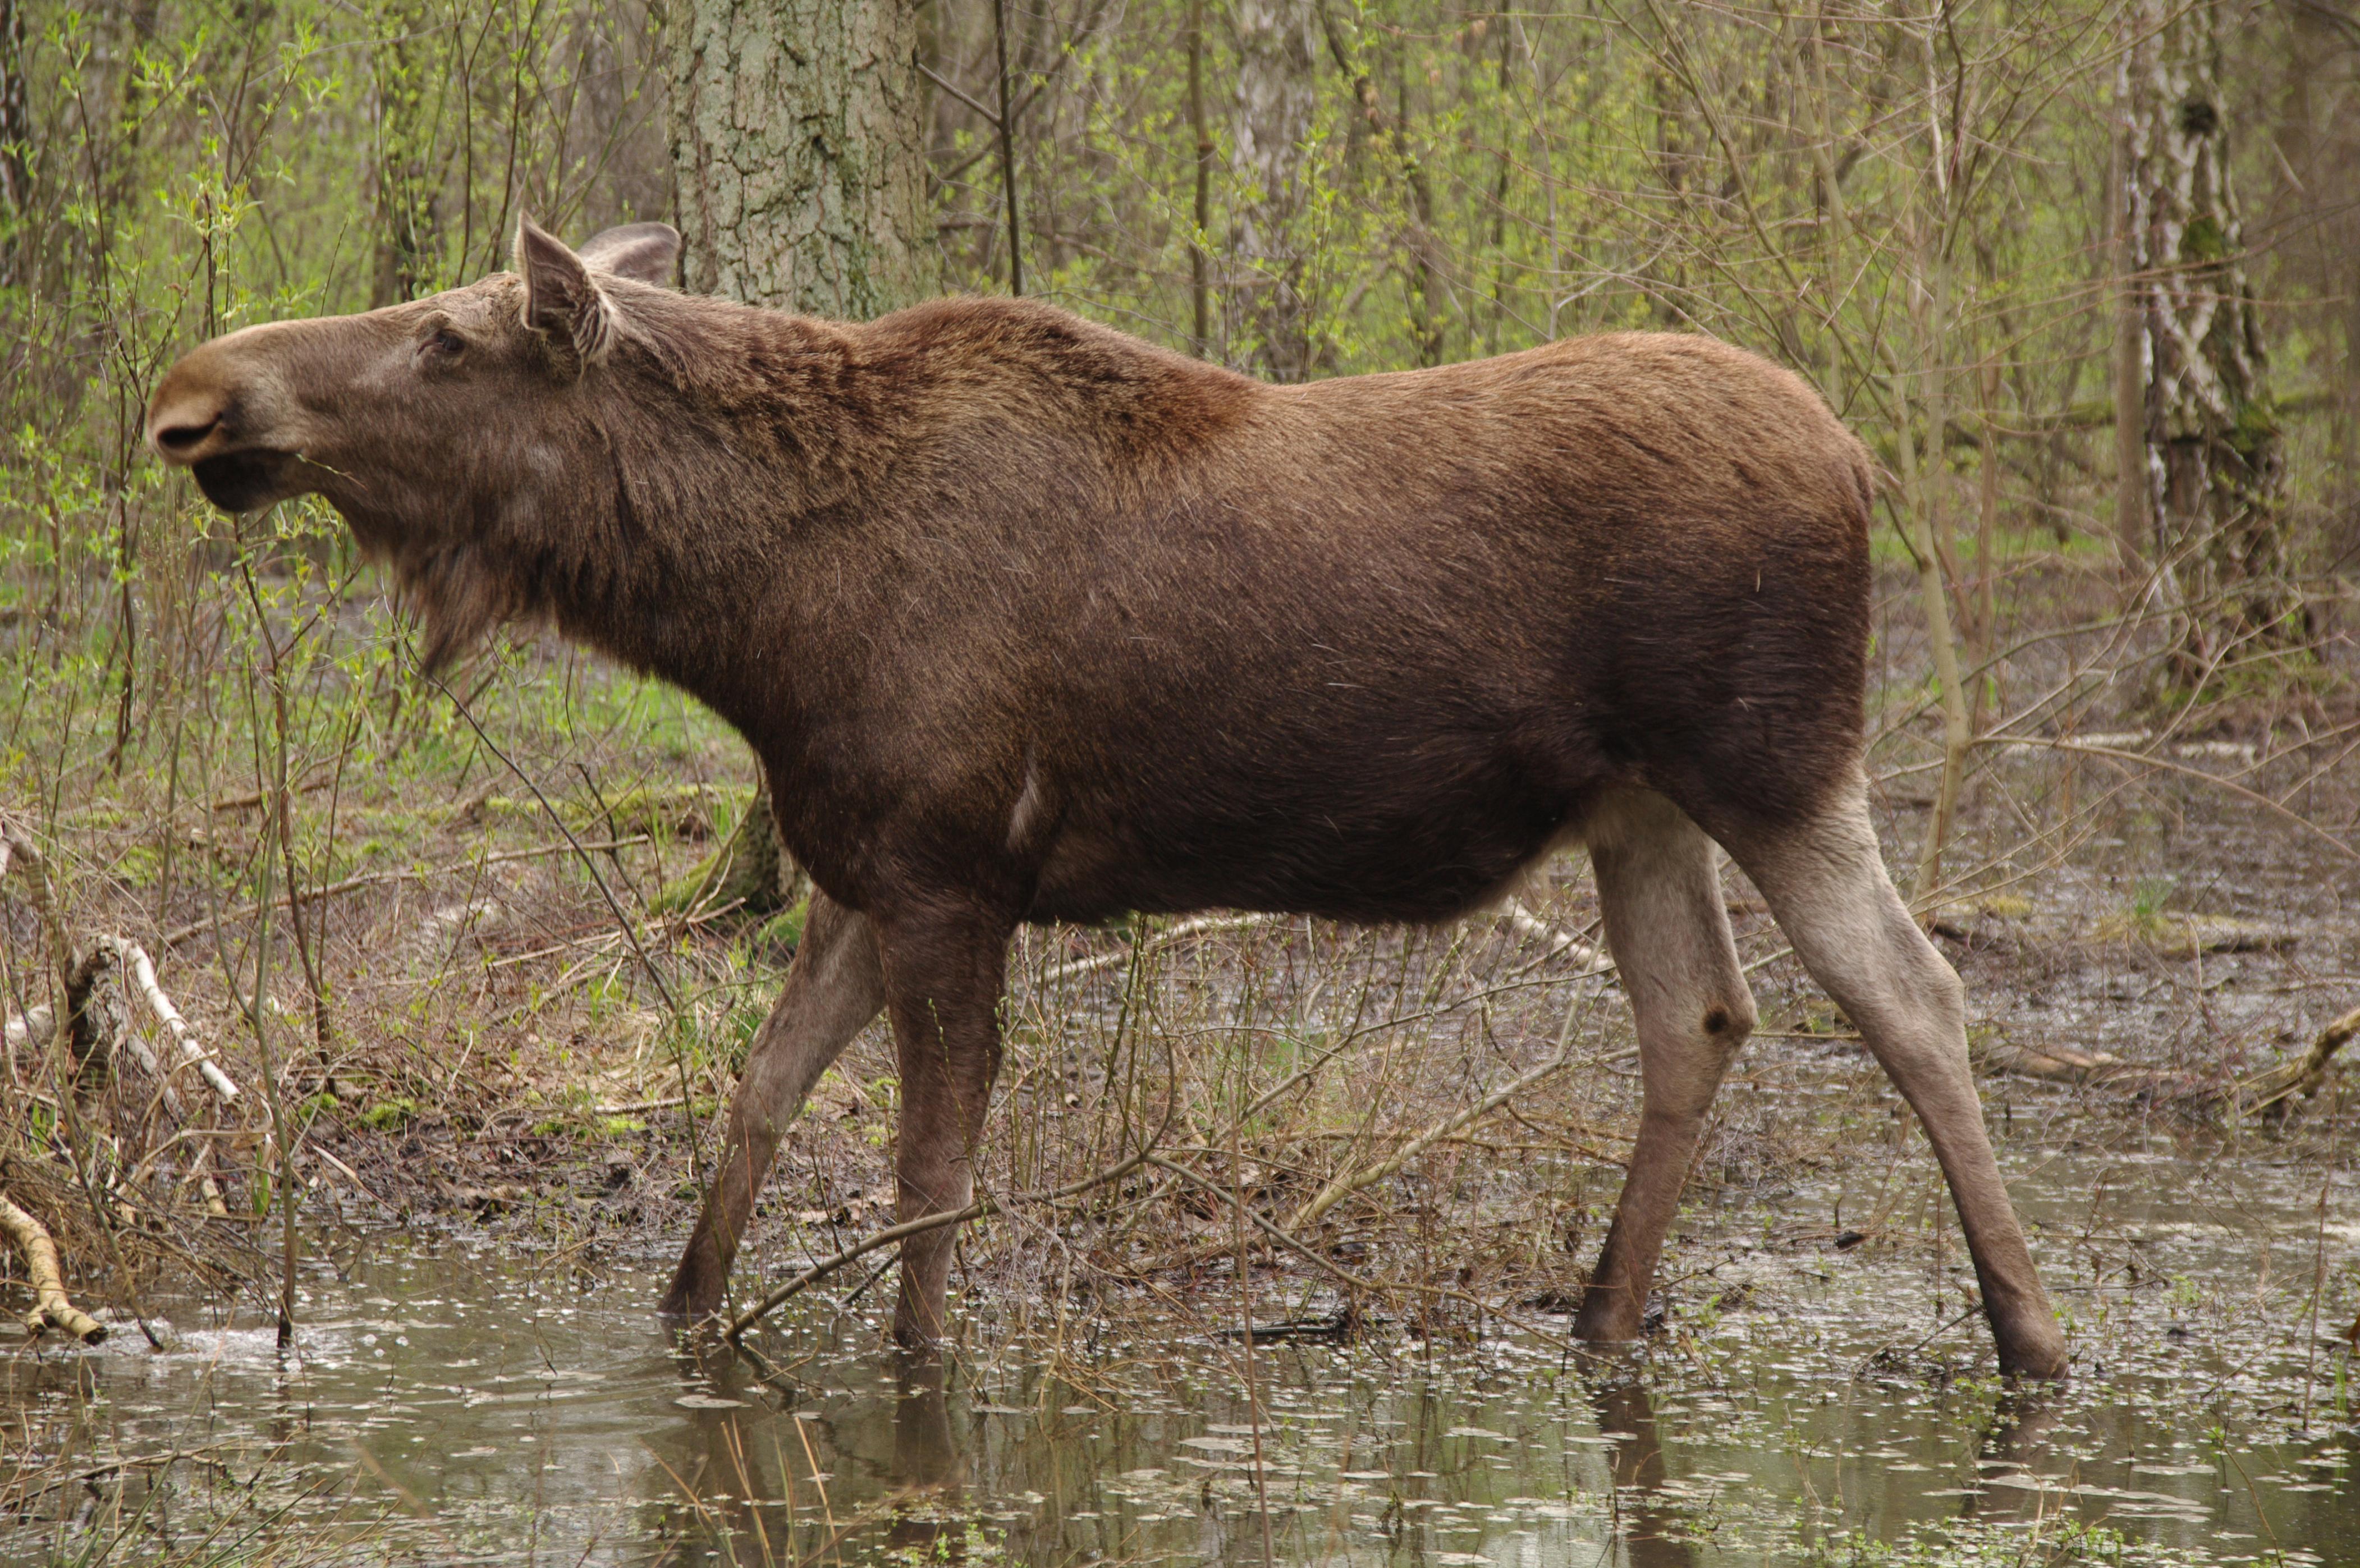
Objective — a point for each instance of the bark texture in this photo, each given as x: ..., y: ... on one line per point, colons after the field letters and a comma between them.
x: 2215, y: 468
x: 16, y: 145
x: 1270, y: 160
x: 798, y: 147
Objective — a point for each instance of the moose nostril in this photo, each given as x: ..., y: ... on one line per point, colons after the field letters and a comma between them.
x: 180, y: 438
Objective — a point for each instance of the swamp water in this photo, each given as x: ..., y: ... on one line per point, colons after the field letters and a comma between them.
x: 446, y: 1405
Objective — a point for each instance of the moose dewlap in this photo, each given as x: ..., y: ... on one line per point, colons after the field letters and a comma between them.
x: 1029, y: 620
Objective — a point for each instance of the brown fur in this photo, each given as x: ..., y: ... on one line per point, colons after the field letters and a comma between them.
x: 1029, y: 620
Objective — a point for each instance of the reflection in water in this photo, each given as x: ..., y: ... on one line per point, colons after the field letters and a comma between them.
x: 1652, y: 1531
x: 446, y: 1406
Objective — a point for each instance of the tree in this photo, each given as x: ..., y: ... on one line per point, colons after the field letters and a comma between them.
x: 798, y: 153
x: 1270, y: 157
x: 16, y: 145
x: 798, y: 169
x: 2214, y: 463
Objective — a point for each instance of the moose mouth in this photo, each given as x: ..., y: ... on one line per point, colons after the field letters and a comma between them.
x: 248, y: 480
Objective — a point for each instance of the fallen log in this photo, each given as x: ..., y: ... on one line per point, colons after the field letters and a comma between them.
x: 2271, y: 1093
x: 51, y: 1309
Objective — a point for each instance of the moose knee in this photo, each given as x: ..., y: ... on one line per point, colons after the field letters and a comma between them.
x: 1729, y: 1021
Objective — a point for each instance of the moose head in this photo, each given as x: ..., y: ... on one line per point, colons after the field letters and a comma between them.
x: 440, y: 428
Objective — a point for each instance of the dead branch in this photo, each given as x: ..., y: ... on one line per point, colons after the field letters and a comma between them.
x: 1532, y: 928
x: 50, y: 1307
x: 1200, y: 925
x: 2063, y: 1064
x: 2272, y: 1091
x: 134, y: 962
x: 2269, y: 1092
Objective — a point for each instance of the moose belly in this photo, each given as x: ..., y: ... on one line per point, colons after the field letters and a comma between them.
x: 1363, y: 844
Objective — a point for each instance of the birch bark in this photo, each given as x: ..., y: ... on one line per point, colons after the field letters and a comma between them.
x: 2214, y: 460
x: 1271, y: 128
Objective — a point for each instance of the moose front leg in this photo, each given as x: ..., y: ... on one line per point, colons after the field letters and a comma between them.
x: 944, y: 969
x: 834, y: 987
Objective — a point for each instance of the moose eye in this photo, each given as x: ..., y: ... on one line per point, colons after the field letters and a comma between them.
x: 443, y: 343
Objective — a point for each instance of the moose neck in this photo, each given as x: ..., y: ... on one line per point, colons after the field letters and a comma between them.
x: 717, y: 458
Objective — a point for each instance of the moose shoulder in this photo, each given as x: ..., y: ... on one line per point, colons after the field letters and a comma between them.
x: 1029, y: 620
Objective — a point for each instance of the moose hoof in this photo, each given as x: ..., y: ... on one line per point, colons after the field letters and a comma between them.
x: 2036, y: 1357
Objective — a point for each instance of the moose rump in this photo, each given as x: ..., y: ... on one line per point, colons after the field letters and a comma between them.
x: 1029, y: 620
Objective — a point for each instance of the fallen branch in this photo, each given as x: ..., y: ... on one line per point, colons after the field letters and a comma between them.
x: 134, y: 962
x: 2270, y: 1091
x: 1200, y: 925
x: 2055, y: 1064
x: 50, y: 1307
x: 31, y: 1030
x: 302, y: 895
x: 1532, y: 928
x: 2063, y: 1064
x: 2265, y: 1093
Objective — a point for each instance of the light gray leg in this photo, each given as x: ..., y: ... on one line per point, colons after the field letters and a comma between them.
x: 1826, y: 885
x: 1667, y: 927
x: 834, y: 987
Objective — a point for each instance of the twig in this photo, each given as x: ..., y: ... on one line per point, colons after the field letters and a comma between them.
x: 50, y: 1307
x: 908, y: 1228
x: 1348, y: 1181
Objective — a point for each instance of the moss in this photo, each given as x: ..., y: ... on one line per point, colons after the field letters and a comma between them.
x: 389, y: 1115
x: 786, y: 929
x: 2254, y: 428
x: 2203, y: 241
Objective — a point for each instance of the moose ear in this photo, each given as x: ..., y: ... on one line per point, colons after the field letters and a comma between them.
x: 562, y: 301
x: 645, y: 253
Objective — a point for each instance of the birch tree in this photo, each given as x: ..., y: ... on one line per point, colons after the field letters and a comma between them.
x: 1270, y: 161
x: 2214, y: 458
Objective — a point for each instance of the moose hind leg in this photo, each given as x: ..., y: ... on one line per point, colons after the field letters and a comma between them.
x: 1826, y: 884
x: 834, y: 987
x: 942, y: 977
x: 1667, y: 927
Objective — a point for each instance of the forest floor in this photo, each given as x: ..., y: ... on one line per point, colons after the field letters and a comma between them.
x: 492, y: 1072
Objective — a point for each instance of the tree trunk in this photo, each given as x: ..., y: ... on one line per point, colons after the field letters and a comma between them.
x: 798, y: 164
x: 15, y: 148
x: 2213, y: 461
x: 1270, y: 158
x: 2128, y: 368
x: 799, y: 154
x: 409, y: 241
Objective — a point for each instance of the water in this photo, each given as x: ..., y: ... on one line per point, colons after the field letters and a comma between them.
x: 451, y: 1404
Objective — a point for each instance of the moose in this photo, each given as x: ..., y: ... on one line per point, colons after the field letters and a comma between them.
x: 1030, y: 621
